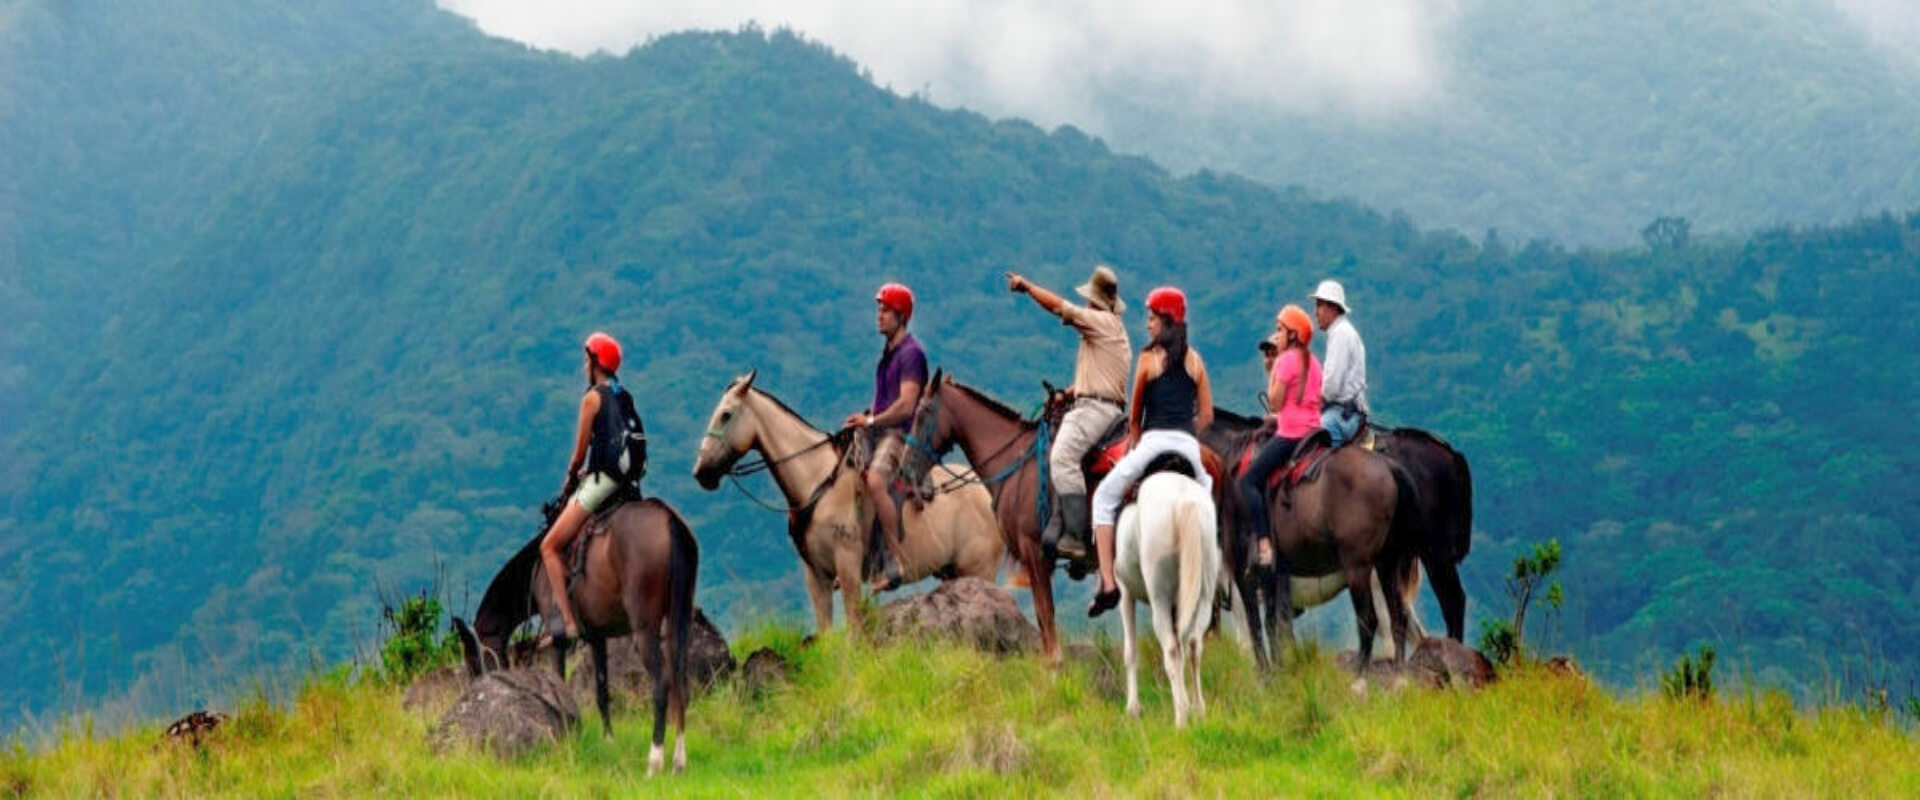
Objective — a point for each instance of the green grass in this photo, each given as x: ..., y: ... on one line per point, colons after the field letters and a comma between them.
x: 938, y: 720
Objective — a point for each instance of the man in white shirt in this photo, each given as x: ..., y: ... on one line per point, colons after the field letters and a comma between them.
x: 1343, y: 388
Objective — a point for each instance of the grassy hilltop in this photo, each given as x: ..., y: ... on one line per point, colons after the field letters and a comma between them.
x: 857, y: 721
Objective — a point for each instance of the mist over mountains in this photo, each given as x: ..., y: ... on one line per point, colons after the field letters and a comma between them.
x: 1577, y: 121
x: 294, y: 302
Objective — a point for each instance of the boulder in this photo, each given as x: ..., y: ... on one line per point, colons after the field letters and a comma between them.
x: 708, y: 662
x: 764, y: 669
x: 435, y: 691
x: 1440, y: 663
x: 968, y: 610
x: 510, y: 712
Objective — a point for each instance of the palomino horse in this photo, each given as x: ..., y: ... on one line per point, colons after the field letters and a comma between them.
x: 641, y: 565
x: 1004, y: 448
x: 951, y: 535
x: 1166, y: 552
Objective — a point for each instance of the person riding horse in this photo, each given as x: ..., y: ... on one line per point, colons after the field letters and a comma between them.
x: 897, y: 381
x: 1099, y: 380
x: 1293, y: 392
x: 1172, y: 401
x: 593, y: 471
x: 1344, y: 394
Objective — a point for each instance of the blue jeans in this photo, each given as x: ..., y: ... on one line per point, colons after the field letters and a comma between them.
x: 1341, y: 423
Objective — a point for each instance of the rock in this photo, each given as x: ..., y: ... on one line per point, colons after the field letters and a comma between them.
x: 1381, y: 671
x: 764, y: 669
x: 436, y: 691
x: 708, y: 662
x: 510, y: 712
x: 1564, y: 667
x: 1440, y: 663
x: 969, y: 610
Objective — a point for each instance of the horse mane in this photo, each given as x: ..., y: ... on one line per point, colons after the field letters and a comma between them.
x: 1234, y: 420
x: 782, y: 405
x: 991, y: 402
x: 509, y: 597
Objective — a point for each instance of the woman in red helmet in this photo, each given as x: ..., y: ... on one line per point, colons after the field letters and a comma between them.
x: 599, y: 465
x: 1172, y: 402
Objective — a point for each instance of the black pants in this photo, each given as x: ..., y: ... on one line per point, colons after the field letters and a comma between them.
x: 1255, y: 516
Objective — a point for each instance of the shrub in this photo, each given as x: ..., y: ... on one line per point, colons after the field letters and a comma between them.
x: 413, y: 648
x: 1691, y: 677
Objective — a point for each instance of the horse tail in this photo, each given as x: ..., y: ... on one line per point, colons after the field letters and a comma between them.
x: 1406, y: 512
x: 683, y: 571
x: 1189, y: 523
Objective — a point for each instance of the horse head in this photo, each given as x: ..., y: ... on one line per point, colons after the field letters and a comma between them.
x: 930, y: 432
x: 728, y: 437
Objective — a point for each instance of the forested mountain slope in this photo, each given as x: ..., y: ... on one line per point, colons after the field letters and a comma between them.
x: 360, y: 364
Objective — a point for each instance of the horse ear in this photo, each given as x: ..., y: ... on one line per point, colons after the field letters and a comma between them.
x: 939, y: 375
x: 748, y: 383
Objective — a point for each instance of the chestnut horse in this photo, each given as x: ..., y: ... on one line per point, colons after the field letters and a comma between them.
x: 641, y: 566
x: 952, y: 535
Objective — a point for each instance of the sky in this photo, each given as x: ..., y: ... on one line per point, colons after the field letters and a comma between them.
x: 1067, y: 61
x: 1050, y: 60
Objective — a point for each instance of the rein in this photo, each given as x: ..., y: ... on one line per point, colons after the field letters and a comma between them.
x: 749, y: 467
x: 972, y: 475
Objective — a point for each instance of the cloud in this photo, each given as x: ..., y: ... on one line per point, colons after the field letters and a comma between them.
x: 1893, y: 24
x: 1056, y: 61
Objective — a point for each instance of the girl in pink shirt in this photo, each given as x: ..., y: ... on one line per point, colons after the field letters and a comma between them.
x: 1293, y: 391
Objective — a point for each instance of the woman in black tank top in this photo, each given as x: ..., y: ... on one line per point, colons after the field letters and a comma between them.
x: 1172, y: 401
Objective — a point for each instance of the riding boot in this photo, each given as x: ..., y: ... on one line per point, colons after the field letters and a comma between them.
x: 1075, y: 517
x: 890, y: 574
x: 1050, y: 532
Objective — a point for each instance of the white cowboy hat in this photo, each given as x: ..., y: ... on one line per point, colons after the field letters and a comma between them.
x: 1332, y: 292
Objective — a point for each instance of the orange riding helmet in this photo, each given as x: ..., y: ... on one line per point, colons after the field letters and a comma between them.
x: 604, y: 351
x: 1295, y: 319
x: 1168, y: 302
x: 897, y: 297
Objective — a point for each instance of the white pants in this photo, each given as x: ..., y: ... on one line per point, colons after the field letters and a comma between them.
x: 1106, y: 499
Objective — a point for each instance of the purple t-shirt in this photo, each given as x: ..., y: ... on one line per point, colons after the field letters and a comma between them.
x: 905, y: 362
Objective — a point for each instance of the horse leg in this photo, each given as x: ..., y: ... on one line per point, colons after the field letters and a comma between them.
x: 1445, y: 577
x: 1388, y: 584
x: 821, y: 593
x: 1172, y: 651
x: 1130, y: 647
x: 648, y: 640
x: 1040, y: 585
x: 848, y: 561
x: 1279, y: 610
x: 600, y: 698
x: 1194, y: 646
x: 1359, y: 581
x: 1252, y: 610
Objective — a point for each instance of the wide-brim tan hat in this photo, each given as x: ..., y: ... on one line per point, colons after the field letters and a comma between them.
x: 1103, y: 290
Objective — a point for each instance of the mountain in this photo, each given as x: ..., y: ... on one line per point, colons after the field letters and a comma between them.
x: 1582, y: 121
x: 352, y: 376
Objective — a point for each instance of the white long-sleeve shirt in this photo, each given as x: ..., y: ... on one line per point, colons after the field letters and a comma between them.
x: 1344, y: 370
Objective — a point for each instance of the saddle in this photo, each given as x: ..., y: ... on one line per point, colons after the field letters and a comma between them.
x: 1302, y: 466
x: 600, y: 524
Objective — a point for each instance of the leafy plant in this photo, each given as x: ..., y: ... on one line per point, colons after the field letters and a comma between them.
x: 1692, y: 677
x: 413, y: 648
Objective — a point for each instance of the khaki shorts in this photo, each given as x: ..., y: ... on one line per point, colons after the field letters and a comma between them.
x: 888, y: 447
x: 593, y: 491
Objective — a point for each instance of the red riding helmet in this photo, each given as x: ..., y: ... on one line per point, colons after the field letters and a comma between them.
x: 897, y: 297
x: 604, y: 351
x: 1168, y: 302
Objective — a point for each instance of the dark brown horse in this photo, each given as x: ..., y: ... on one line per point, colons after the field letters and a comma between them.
x: 1345, y: 525
x: 1444, y: 486
x: 641, y: 565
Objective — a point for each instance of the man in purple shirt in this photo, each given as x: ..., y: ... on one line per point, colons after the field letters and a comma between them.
x: 896, y: 390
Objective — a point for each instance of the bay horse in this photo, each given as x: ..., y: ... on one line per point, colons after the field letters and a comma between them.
x: 1003, y: 448
x: 1260, y: 591
x: 951, y: 535
x: 1166, y: 552
x: 641, y: 566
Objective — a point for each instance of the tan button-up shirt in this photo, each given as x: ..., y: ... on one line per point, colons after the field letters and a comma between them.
x: 1100, y: 370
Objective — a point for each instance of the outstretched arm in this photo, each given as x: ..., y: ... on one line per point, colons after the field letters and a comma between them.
x: 1046, y: 299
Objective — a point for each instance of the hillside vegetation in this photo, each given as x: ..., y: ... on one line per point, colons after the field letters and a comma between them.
x: 354, y: 369
x: 947, y: 722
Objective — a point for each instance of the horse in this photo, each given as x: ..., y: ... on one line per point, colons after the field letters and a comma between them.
x: 951, y: 535
x: 1444, y: 486
x: 1166, y: 552
x: 641, y: 566
x: 1006, y: 449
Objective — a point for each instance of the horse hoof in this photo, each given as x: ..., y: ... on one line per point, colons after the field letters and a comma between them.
x: 656, y: 758
x: 1133, y: 710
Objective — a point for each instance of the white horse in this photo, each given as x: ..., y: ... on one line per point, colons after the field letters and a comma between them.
x: 1166, y: 552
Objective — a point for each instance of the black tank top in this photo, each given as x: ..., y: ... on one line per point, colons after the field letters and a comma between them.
x: 1170, y: 401
x: 608, y: 440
